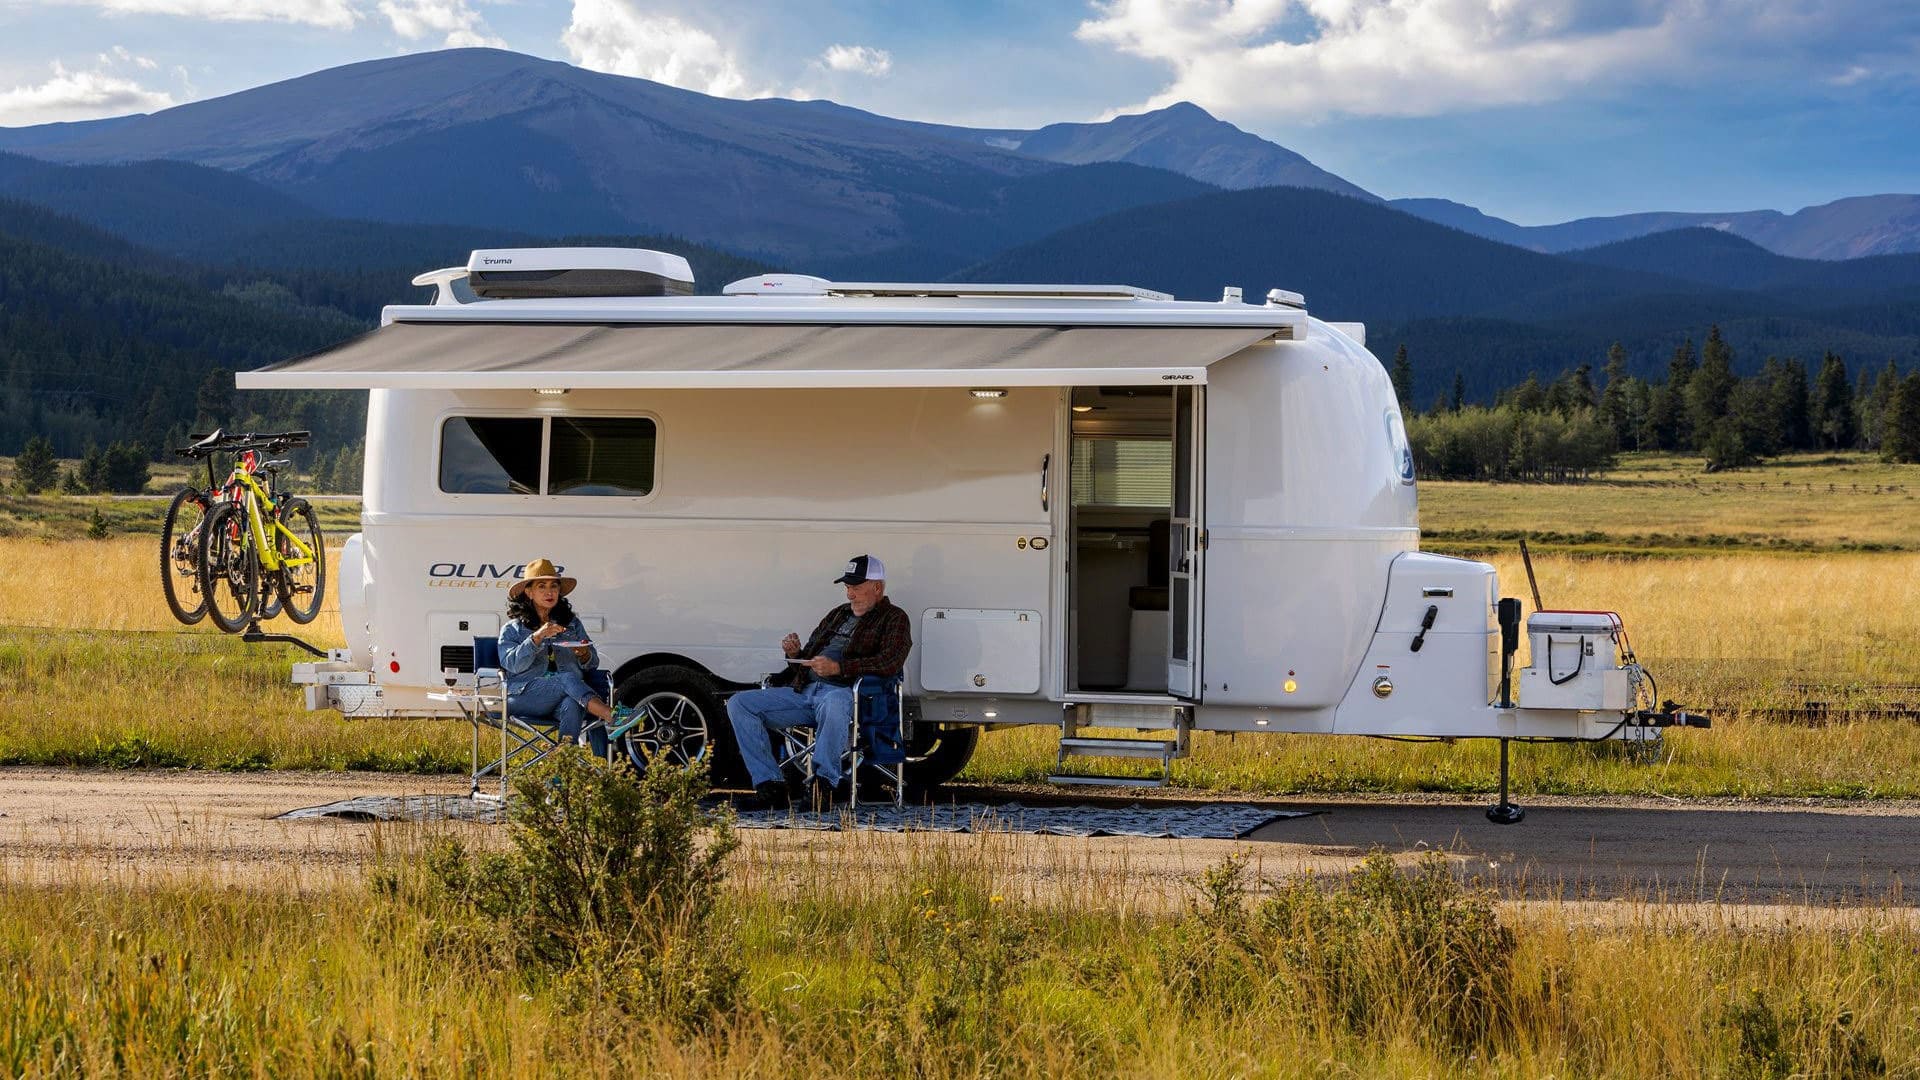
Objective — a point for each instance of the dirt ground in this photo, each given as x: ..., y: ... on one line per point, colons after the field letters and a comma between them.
x: 78, y: 825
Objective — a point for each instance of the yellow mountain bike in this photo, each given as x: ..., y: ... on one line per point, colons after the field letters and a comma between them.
x: 264, y: 552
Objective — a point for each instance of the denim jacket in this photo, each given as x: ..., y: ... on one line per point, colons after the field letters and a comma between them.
x: 522, y: 660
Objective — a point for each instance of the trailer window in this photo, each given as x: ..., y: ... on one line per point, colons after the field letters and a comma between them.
x: 1122, y: 472
x: 490, y: 455
x: 601, y: 456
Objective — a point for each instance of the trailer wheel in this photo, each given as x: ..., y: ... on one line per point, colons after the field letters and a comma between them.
x: 938, y: 753
x: 683, y: 721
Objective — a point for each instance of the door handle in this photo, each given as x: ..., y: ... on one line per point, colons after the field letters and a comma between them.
x: 1046, y: 470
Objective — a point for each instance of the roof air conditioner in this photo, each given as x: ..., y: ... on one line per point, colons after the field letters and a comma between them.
x: 535, y: 273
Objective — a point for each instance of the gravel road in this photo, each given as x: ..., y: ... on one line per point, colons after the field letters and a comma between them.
x: 67, y: 824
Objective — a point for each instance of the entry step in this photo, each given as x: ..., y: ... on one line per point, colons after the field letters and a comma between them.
x: 1083, y: 746
x: 1162, y: 750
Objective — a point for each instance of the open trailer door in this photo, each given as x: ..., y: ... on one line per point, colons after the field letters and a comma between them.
x: 1186, y: 546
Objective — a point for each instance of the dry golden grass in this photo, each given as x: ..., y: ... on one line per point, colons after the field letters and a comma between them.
x: 1665, y: 503
x: 200, y: 979
x: 114, y: 584
x: 1753, y: 638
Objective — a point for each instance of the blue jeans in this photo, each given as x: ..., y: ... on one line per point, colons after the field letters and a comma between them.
x: 757, y: 713
x: 562, y: 695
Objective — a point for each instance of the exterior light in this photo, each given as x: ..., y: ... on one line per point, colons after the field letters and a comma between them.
x: 1083, y: 408
x: 1290, y: 686
x: 548, y: 391
x: 988, y: 393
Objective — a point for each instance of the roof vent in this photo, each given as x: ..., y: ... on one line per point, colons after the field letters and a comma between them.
x: 537, y: 273
x: 778, y: 285
x: 1286, y: 298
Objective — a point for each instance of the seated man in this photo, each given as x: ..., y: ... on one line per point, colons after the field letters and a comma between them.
x: 867, y: 635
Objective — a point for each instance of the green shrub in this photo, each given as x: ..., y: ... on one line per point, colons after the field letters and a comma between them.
x: 1801, y: 1040
x: 611, y: 889
x: 1380, y: 953
x: 947, y: 962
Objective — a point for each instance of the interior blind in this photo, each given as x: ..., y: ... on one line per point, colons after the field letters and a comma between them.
x: 1122, y: 472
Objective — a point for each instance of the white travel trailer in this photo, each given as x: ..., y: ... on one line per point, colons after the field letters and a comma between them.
x: 1101, y: 506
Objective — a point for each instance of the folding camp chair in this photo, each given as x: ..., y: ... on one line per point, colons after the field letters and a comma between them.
x: 524, y: 740
x: 878, y: 743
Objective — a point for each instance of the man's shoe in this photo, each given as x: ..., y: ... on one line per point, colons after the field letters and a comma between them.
x: 771, y: 795
x: 822, y: 797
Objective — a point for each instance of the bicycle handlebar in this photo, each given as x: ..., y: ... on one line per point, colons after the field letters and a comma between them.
x: 272, y: 442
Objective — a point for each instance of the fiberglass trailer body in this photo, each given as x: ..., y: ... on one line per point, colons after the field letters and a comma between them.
x: 1099, y: 505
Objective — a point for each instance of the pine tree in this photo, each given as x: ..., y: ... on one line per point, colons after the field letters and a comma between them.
x: 1873, y: 405
x: 1834, y: 425
x: 1402, y: 375
x: 1529, y: 396
x: 1663, y: 425
x: 1459, y: 391
x: 93, y: 470
x: 213, y: 401
x: 35, y: 470
x: 1902, y: 441
x: 1709, y: 392
x: 1615, y: 400
x: 1680, y: 371
x: 1793, y: 405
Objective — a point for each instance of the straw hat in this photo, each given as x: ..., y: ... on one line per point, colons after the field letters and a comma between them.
x: 541, y: 570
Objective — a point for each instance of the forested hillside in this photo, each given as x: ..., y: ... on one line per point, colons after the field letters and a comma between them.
x: 1465, y: 305
x: 94, y: 352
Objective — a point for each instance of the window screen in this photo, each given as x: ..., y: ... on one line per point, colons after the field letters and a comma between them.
x: 601, y: 456
x: 490, y: 455
x: 1122, y: 472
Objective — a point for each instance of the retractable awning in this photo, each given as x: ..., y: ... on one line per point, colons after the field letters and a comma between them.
x: 474, y: 355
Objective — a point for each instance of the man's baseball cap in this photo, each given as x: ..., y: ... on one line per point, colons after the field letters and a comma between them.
x: 862, y: 568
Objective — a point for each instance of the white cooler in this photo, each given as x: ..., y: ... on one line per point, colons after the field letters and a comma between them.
x: 1575, y: 663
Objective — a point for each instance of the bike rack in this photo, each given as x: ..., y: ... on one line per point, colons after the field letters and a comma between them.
x: 253, y: 635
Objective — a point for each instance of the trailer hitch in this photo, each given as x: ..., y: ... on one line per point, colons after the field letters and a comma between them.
x: 253, y: 635
x: 1669, y: 714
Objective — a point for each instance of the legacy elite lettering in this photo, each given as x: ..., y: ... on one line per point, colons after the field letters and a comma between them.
x: 451, y: 575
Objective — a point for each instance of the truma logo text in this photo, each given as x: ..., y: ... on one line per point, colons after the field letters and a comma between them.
x: 459, y: 575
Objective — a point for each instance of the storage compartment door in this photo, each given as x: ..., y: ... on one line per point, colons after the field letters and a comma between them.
x: 979, y: 651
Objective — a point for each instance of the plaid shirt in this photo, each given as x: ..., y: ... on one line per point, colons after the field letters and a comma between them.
x: 879, y: 645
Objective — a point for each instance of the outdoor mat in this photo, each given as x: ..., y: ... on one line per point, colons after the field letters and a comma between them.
x: 405, y: 808
x: 1208, y: 821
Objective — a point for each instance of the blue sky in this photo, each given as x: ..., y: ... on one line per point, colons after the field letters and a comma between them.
x: 1534, y: 110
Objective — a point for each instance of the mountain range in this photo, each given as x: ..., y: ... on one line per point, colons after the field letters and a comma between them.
x: 498, y: 139
x: 236, y: 230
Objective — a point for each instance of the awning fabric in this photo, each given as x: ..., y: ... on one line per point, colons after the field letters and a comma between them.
x: 496, y: 356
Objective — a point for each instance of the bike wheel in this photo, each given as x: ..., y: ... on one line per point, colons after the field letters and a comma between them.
x: 302, y: 585
x: 180, y: 541
x: 229, y: 569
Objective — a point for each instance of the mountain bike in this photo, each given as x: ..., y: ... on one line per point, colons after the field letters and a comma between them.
x: 183, y: 534
x: 263, y: 552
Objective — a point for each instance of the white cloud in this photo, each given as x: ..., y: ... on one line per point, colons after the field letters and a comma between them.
x: 78, y: 95
x: 860, y: 59
x: 416, y: 19
x: 330, y: 14
x: 1308, y: 59
x: 617, y: 37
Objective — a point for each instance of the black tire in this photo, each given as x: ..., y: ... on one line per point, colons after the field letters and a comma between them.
x: 180, y: 540
x: 302, y: 587
x: 229, y: 569
x: 686, y: 721
x: 937, y: 753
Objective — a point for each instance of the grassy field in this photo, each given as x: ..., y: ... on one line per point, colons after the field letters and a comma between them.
x: 935, y: 966
x: 1807, y: 659
x: 1664, y: 504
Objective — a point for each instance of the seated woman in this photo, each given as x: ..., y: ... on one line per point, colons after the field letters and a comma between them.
x: 544, y: 654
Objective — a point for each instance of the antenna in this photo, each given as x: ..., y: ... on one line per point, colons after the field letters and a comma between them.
x: 1527, y: 560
